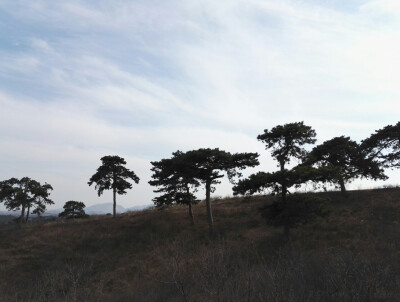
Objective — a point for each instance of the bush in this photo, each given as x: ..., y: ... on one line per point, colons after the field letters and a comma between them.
x: 298, y: 209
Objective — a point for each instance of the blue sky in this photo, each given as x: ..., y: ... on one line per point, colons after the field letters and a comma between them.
x: 142, y: 79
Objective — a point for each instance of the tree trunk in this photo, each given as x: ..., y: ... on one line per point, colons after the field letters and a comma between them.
x: 283, y: 184
x: 342, y: 187
x: 286, y: 218
x: 286, y: 221
x: 27, y: 213
x: 74, y: 212
x: 190, y: 205
x: 191, y: 212
x: 208, y: 204
x: 115, y: 202
x: 284, y: 192
x: 22, y: 217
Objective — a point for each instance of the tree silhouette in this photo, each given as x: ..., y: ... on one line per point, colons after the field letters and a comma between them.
x: 346, y: 159
x: 174, y: 177
x: 295, y: 177
x: 40, y: 198
x: 22, y: 194
x: 286, y: 142
x: 207, y: 165
x: 73, y: 210
x: 113, y: 175
x: 384, y: 146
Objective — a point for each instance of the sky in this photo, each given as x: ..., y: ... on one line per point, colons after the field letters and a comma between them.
x: 80, y: 79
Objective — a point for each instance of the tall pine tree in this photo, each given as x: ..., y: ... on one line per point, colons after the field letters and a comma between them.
x: 112, y: 174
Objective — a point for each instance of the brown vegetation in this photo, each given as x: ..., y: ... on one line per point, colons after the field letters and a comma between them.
x: 158, y: 255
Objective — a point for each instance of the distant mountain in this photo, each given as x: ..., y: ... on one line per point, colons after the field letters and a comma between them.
x: 139, y: 208
x: 8, y: 213
x: 54, y: 212
x: 103, y: 208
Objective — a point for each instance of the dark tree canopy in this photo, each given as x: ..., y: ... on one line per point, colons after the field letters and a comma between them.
x: 287, y: 141
x: 174, y: 178
x: 113, y: 175
x: 284, y: 211
x: 346, y: 159
x: 174, y: 196
x: 24, y: 194
x: 260, y: 181
x: 40, y: 198
x: 208, y: 165
x: 384, y: 146
x: 73, y: 210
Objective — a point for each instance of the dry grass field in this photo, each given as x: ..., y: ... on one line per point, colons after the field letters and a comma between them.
x: 157, y: 255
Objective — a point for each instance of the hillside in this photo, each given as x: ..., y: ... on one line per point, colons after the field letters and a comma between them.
x: 157, y: 255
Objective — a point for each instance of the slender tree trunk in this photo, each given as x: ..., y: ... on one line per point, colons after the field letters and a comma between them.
x: 286, y: 213
x: 283, y: 184
x: 27, y: 213
x: 115, y: 202
x: 190, y: 205
x: 342, y: 187
x: 286, y: 221
x: 191, y: 212
x: 208, y: 204
x: 284, y: 191
x: 22, y: 217
x: 114, y: 195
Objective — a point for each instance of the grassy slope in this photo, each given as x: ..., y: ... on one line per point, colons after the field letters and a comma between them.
x: 130, y: 257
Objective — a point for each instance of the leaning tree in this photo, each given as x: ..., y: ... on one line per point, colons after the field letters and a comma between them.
x: 286, y: 143
x: 24, y: 194
x: 175, y: 179
x: 112, y: 174
x: 208, y: 165
x: 384, y: 146
x: 346, y: 160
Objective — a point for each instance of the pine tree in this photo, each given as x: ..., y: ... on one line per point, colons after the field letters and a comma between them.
x: 174, y: 178
x: 208, y: 165
x: 346, y: 159
x: 113, y: 175
x: 286, y: 142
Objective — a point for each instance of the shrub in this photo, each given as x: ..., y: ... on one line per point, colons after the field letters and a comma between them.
x: 298, y: 209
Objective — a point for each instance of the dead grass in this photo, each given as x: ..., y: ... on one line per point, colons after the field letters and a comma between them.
x: 157, y: 255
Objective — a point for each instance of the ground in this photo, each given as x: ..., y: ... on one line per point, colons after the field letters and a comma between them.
x: 157, y: 255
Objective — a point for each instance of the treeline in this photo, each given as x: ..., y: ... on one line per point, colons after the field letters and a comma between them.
x: 336, y: 161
